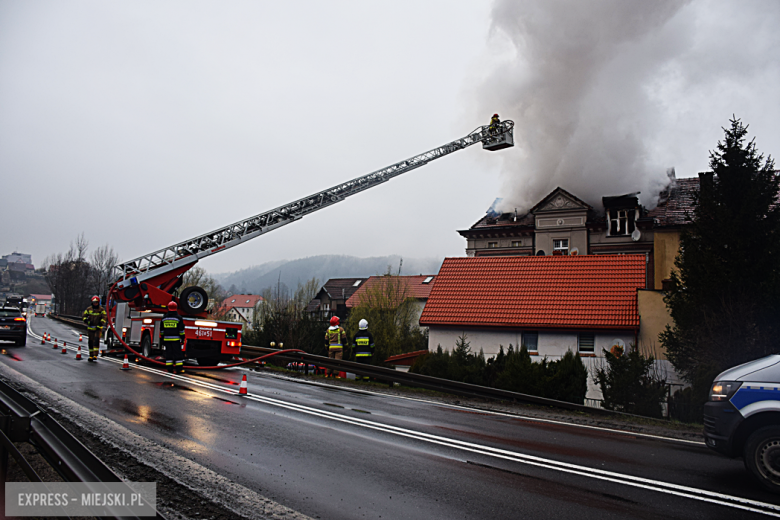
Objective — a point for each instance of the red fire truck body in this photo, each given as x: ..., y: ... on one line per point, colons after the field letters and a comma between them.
x: 206, y: 340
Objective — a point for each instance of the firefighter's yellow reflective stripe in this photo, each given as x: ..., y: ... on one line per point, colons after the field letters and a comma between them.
x: 171, y: 339
x: 361, y: 354
x: 168, y: 324
x: 335, y: 346
x: 361, y: 341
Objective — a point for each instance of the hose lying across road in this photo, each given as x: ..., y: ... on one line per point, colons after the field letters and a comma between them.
x: 219, y: 367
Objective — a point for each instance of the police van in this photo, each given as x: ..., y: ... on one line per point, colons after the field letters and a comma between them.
x: 742, y: 417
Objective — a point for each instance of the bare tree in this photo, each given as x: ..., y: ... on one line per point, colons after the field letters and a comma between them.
x: 103, y: 260
x: 69, y: 275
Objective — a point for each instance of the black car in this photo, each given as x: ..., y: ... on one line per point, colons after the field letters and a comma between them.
x: 13, y: 326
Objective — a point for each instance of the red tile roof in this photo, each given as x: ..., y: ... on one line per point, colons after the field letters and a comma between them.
x: 545, y: 292
x: 240, y: 300
x: 414, y: 287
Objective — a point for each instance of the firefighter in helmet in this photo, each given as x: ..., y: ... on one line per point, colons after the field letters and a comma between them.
x: 172, y: 338
x: 95, y: 319
x: 336, y: 339
x: 364, y: 347
x: 495, y: 122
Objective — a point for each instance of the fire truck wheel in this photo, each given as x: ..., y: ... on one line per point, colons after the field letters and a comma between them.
x: 193, y: 300
x: 208, y: 361
x: 146, y: 346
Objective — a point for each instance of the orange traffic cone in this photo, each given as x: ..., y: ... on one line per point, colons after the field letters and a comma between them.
x: 55, y: 344
x: 242, y: 388
x: 64, y: 348
x: 78, y: 354
x: 125, y: 364
x: 43, y: 339
x: 79, y: 338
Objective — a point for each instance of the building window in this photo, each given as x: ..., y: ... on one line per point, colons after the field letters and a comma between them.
x: 586, y: 342
x: 492, y: 245
x: 531, y: 341
x: 562, y: 245
x: 621, y: 222
x: 516, y: 243
x: 357, y: 282
x: 326, y: 307
x: 429, y: 279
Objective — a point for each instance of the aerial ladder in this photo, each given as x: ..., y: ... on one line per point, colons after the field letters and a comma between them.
x: 148, y: 283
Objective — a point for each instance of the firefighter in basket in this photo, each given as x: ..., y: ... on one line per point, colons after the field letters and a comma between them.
x: 495, y: 125
x: 172, y: 339
x: 336, y: 339
x: 95, y: 319
x: 364, y: 347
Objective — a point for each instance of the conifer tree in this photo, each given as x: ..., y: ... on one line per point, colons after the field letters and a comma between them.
x: 725, y: 292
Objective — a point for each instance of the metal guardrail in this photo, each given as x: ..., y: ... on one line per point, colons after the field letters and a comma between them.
x: 432, y: 383
x: 70, y: 320
x: 21, y: 420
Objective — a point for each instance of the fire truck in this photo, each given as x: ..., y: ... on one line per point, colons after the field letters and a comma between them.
x: 145, y: 285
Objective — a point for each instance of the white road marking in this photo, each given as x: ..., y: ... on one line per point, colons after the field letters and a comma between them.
x: 531, y: 460
x: 508, y: 414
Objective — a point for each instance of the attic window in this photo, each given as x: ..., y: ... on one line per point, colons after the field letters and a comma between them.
x: 233, y: 300
x: 492, y: 245
x: 247, y: 301
x: 428, y: 280
x: 516, y: 243
x: 621, y: 221
x: 357, y: 282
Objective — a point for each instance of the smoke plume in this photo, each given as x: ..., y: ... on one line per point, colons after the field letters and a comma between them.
x: 593, y: 87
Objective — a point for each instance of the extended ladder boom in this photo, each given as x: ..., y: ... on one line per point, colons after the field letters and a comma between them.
x: 177, y: 256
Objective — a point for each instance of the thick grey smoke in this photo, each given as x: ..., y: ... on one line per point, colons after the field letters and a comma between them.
x: 597, y: 88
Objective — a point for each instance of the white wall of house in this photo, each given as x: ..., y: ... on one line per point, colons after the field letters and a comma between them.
x: 552, y: 344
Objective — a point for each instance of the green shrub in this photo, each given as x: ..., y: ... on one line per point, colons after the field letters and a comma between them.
x: 568, y: 379
x: 630, y: 385
x: 565, y: 379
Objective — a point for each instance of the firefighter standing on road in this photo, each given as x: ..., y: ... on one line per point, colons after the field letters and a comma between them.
x: 95, y: 318
x: 336, y: 339
x: 171, y: 338
x: 364, y: 347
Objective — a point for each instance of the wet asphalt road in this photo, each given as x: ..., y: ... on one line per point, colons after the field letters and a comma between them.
x: 339, y: 454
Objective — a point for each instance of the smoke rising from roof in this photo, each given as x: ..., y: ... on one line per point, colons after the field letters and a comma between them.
x: 597, y: 90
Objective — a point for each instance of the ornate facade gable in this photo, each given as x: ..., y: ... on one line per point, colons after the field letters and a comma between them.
x: 559, y: 200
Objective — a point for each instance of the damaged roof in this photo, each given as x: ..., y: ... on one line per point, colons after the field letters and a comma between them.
x: 674, y: 202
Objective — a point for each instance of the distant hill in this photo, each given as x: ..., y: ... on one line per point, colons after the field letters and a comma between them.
x: 291, y: 272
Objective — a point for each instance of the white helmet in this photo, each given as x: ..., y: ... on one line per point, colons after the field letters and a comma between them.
x: 363, y: 325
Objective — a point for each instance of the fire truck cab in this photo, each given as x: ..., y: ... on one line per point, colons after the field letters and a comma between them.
x: 207, y: 341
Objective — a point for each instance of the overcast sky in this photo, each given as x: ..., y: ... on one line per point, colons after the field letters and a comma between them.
x: 142, y: 124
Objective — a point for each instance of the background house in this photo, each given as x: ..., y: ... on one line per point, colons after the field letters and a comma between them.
x: 331, y: 300
x: 417, y: 288
x: 241, y: 308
